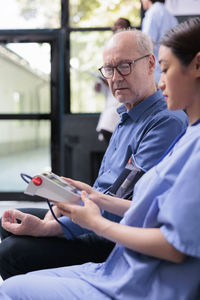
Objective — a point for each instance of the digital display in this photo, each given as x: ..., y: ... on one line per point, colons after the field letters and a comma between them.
x: 60, y: 182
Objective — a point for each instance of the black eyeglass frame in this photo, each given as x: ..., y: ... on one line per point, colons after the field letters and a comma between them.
x: 116, y: 67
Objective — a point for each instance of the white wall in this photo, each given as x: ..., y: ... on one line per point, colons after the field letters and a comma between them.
x: 183, y: 7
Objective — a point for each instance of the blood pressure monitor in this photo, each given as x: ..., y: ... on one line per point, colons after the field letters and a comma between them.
x: 50, y: 186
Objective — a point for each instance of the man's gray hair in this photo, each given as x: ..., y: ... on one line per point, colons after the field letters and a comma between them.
x: 145, y: 45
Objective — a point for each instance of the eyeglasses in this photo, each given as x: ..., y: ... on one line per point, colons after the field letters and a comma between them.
x: 123, y: 68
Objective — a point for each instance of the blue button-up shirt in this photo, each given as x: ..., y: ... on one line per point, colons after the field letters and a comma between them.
x: 143, y: 133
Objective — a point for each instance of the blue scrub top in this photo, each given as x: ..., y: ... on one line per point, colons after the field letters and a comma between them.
x: 166, y: 197
x: 170, y: 201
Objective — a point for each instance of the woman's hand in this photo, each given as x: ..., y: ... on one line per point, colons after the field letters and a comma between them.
x: 93, y: 195
x: 79, y: 185
x: 86, y: 216
x: 111, y: 204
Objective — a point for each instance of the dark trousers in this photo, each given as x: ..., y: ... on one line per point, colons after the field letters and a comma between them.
x: 22, y: 254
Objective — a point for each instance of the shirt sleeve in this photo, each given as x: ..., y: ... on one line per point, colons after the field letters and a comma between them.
x: 180, y: 209
x: 150, y: 26
x: 161, y: 131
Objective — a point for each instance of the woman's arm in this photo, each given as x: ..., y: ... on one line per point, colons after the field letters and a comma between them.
x: 111, y: 204
x: 148, y: 241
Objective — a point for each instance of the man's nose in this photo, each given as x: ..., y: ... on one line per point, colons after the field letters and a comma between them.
x: 116, y: 75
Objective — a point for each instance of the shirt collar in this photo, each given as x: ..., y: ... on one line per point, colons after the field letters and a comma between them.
x: 136, y: 112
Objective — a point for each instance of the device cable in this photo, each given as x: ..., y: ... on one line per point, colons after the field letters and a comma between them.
x: 24, y: 177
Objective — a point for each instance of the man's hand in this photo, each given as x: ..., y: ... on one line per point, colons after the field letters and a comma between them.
x: 49, y: 216
x: 20, y: 223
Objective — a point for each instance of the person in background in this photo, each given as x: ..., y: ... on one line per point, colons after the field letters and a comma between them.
x: 120, y: 24
x: 157, y: 252
x: 157, y: 21
x: 109, y: 116
x: 144, y: 132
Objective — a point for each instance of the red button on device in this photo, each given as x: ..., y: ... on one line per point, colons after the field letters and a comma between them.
x: 37, y: 180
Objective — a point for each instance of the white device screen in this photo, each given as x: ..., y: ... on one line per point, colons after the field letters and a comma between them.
x: 61, y: 182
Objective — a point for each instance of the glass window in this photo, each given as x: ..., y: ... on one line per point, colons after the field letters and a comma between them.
x: 86, y: 58
x: 24, y: 148
x: 86, y: 47
x: 37, y: 14
x: 25, y: 78
x: 103, y: 13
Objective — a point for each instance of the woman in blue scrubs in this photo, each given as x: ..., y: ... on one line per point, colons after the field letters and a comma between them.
x: 157, y: 252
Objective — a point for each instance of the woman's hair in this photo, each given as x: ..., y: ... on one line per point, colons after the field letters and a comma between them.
x: 184, y: 40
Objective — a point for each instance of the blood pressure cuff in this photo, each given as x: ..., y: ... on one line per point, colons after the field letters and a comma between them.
x: 124, y: 185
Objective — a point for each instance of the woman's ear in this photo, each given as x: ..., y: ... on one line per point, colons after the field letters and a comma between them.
x: 197, y: 64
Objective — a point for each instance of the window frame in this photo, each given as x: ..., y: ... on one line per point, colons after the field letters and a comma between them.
x: 56, y: 39
x: 59, y: 40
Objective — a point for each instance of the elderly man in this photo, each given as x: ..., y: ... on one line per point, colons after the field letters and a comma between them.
x: 145, y: 130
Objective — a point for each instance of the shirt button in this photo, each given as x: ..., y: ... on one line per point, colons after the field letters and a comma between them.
x: 120, y: 125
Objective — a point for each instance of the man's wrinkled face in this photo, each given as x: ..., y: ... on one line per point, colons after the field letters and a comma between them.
x: 129, y: 89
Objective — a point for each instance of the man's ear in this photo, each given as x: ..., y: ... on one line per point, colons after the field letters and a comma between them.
x: 152, y: 63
